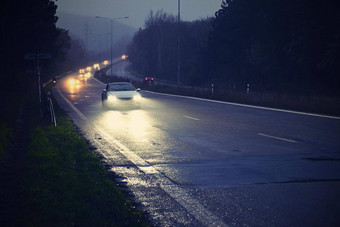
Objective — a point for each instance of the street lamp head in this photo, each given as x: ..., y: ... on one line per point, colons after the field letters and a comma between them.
x: 119, y: 18
x: 111, y: 19
x: 116, y: 18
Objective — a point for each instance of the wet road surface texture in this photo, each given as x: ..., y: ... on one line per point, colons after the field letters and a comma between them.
x: 196, y: 162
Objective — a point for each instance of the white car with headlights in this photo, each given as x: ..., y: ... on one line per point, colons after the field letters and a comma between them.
x: 120, y: 94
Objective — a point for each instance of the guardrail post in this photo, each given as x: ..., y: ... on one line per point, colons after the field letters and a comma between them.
x: 47, y: 105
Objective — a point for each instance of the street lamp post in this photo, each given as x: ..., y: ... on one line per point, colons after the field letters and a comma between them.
x: 179, y: 44
x: 111, y: 20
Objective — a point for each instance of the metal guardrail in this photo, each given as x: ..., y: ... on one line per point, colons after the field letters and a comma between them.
x: 47, y: 106
x: 46, y: 102
x: 52, y: 114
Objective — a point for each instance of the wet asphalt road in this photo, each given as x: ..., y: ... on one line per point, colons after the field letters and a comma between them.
x: 196, y: 162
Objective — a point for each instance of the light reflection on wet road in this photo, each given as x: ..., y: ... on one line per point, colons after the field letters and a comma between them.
x: 183, y: 157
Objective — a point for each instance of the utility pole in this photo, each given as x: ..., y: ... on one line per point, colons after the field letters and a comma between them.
x: 111, y: 47
x: 179, y: 44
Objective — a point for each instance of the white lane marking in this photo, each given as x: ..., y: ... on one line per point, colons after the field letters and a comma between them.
x: 249, y: 106
x: 244, y: 105
x: 192, y: 205
x: 177, y: 193
x: 192, y: 118
x: 277, y: 138
x: 82, y: 116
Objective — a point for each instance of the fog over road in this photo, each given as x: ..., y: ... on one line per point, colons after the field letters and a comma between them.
x: 197, y: 162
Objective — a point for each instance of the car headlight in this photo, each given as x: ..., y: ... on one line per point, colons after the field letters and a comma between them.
x: 111, y: 98
x: 137, y: 97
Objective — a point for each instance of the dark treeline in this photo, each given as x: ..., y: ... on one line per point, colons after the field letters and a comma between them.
x: 29, y: 26
x: 275, y: 46
x: 153, y: 50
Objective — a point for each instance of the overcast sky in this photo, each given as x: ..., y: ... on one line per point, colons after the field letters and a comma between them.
x: 137, y: 10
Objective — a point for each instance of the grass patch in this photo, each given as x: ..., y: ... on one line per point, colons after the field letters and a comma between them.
x: 65, y: 184
x: 307, y: 103
x: 10, y: 107
x: 312, y: 104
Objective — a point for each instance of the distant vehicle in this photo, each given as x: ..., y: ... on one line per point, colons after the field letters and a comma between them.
x: 74, y: 81
x: 81, y: 70
x: 149, y: 80
x: 120, y: 94
x: 96, y: 66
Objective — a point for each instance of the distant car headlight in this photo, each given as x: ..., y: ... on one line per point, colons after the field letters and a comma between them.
x: 111, y: 98
x: 72, y: 81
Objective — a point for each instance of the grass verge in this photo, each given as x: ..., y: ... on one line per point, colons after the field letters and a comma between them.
x: 312, y: 104
x: 9, y: 105
x: 65, y: 184
x: 306, y: 103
